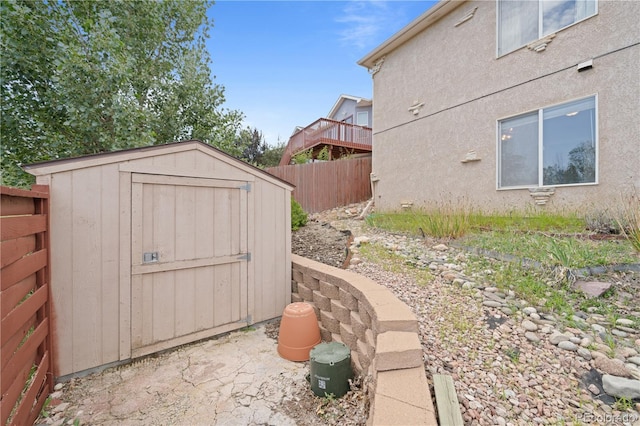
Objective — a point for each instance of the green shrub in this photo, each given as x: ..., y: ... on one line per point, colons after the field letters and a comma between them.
x: 303, y: 157
x: 298, y: 216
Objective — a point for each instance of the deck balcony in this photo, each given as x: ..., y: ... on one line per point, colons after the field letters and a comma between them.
x: 341, y: 138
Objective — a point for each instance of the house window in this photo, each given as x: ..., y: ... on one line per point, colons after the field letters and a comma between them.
x: 523, y: 21
x: 362, y: 118
x: 549, y: 147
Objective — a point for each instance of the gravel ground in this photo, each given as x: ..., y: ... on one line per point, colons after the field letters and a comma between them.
x: 504, y: 371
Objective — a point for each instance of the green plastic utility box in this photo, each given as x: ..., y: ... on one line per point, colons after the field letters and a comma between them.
x: 330, y: 365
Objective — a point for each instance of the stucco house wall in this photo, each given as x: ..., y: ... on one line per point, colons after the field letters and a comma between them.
x: 448, y: 67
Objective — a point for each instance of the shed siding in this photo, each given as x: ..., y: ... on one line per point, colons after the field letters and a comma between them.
x: 85, y: 267
x: 91, y: 254
x: 270, y: 296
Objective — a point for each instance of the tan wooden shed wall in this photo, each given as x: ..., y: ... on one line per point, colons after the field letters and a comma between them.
x: 91, y: 246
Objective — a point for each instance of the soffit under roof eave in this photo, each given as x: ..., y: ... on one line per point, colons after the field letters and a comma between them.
x: 421, y: 23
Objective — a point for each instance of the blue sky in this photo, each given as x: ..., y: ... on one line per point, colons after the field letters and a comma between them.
x: 285, y: 63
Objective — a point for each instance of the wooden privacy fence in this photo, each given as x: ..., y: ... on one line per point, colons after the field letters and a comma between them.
x: 325, y: 185
x: 27, y: 377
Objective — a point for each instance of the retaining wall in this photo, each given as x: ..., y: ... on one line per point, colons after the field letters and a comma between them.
x: 381, y: 332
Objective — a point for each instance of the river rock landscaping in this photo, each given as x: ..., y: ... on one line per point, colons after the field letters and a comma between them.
x: 512, y: 361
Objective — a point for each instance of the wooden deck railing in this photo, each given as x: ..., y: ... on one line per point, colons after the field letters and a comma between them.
x: 328, y: 132
x: 27, y: 376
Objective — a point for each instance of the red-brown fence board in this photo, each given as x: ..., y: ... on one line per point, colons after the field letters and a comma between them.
x: 13, y: 206
x: 25, y: 341
x: 24, y: 358
x: 14, y: 294
x: 37, y: 392
x: 21, y: 269
x: 21, y: 226
x: 11, y: 323
x: 325, y: 185
x: 10, y: 347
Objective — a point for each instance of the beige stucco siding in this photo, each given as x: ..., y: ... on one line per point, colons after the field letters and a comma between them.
x: 466, y: 90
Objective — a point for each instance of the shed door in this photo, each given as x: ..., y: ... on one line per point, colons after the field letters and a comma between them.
x: 189, y: 260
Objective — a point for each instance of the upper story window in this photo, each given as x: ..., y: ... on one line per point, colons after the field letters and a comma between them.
x: 523, y: 21
x: 549, y: 147
x: 362, y: 118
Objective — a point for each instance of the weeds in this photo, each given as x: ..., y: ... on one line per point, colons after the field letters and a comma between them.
x: 549, y: 247
x: 611, y: 343
x: 560, y: 252
x: 386, y: 258
x: 623, y: 404
x: 568, y: 251
x: 322, y: 410
x: 44, y: 412
x: 628, y: 219
x: 513, y: 354
x: 444, y: 220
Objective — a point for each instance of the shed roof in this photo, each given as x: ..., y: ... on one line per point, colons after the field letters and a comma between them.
x: 91, y: 160
x: 421, y: 23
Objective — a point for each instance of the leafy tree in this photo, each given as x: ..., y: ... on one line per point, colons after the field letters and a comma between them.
x: 581, y: 167
x: 256, y: 151
x: 252, y: 144
x: 324, y: 154
x: 83, y: 77
x: 303, y: 157
x: 272, y: 154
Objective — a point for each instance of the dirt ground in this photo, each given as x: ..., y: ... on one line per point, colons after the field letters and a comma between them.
x: 323, y: 243
x: 309, y: 409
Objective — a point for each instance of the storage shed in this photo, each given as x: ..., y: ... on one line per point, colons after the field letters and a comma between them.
x: 159, y: 246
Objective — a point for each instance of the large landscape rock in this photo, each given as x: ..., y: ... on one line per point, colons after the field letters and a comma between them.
x: 621, y: 387
x: 614, y: 367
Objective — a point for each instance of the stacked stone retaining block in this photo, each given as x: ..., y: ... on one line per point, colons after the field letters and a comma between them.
x: 381, y: 332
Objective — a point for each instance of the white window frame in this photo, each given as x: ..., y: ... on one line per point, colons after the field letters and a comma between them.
x: 541, y: 33
x: 366, y: 113
x: 540, y: 112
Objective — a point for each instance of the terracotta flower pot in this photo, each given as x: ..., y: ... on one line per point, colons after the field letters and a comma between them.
x: 299, y: 332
